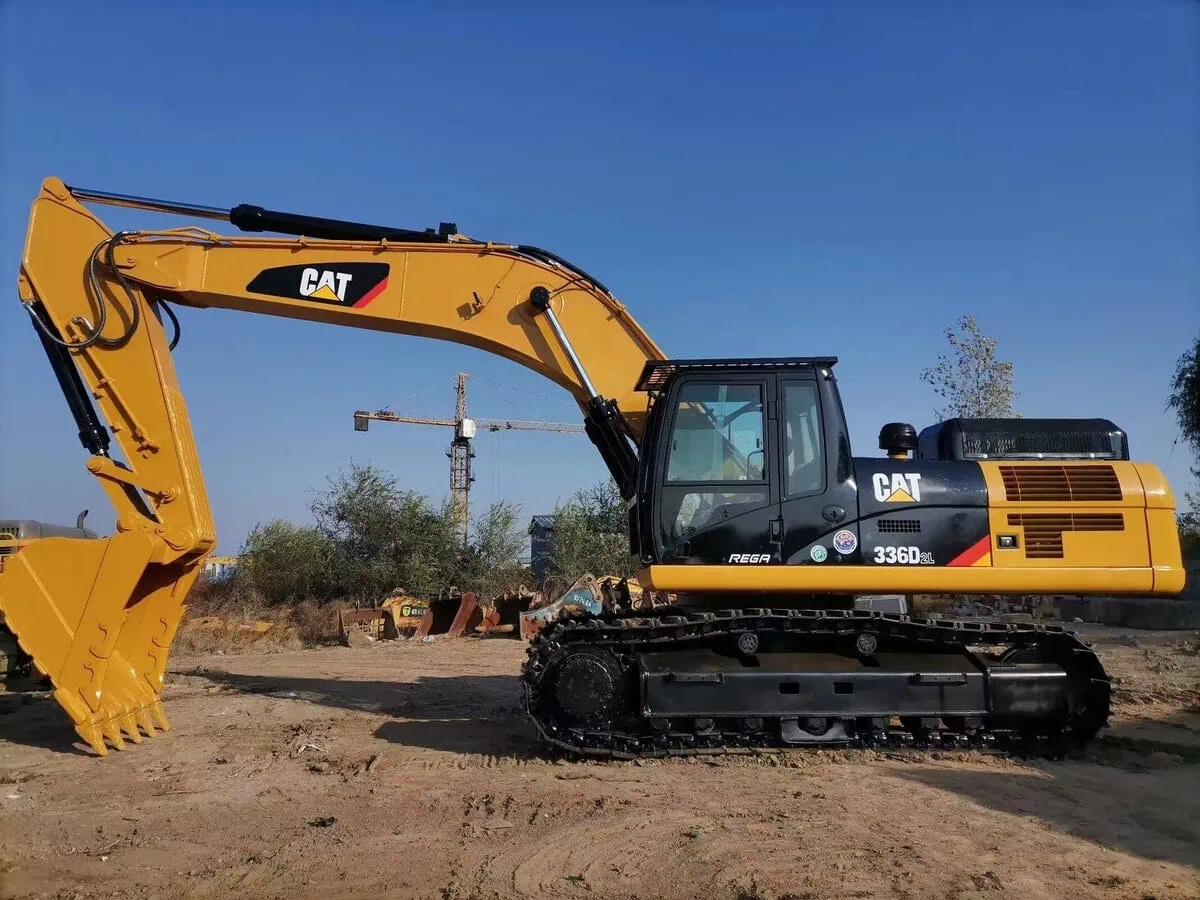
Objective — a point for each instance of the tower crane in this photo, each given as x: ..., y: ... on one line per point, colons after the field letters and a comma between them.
x: 461, y: 452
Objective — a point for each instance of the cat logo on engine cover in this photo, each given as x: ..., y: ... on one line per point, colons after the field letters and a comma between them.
x: 897, y: 487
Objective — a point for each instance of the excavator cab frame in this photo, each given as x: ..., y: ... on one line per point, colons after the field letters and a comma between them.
x: 797, y: 425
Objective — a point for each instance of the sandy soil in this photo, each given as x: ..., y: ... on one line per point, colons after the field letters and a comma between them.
x: 406, y: 770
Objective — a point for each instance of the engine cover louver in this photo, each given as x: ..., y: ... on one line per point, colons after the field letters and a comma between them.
x: 1060, y: 484
x: 1044, y: 531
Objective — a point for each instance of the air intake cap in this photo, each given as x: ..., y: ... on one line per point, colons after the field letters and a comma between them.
x: 897, y: 439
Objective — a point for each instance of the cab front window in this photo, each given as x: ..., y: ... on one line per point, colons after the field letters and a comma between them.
x: 717, y: 434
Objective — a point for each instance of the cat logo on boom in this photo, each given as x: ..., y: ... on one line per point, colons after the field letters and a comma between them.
x: 350, y: 284
x: 897, y: 487
x: 324, y: 285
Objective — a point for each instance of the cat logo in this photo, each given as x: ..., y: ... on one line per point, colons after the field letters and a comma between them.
x: 897, y: 487
x: 349, y: 284
x: 324, y: 285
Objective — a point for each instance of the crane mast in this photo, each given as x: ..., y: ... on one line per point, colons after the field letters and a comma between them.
x: 461, y: 450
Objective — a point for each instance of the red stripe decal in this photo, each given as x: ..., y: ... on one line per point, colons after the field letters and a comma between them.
x: 974, y: 553
x: 371, y: 294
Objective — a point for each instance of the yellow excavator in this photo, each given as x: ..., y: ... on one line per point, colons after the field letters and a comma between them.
x: 744, y: 499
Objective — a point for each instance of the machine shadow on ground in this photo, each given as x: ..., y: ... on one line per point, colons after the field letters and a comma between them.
x: 36, y: 720
x: 478, y: 714
x: 1112, y: 810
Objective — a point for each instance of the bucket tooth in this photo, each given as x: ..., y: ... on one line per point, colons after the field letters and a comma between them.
x: 112, y: 731
x: 93, y: 738
x: 160, y: 717
x: 129, y: 726
x: 144, y: 720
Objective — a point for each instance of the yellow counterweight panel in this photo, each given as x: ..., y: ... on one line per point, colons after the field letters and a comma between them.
x: 1166, y: 556
x: 1068, y: 515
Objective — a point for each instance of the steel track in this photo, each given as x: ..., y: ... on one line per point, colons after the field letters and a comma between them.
x: 624, y: 635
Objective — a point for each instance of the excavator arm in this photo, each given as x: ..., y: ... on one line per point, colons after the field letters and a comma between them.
x: 98, y: 616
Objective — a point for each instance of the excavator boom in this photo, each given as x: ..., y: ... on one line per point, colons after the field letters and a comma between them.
x: 98, y: 617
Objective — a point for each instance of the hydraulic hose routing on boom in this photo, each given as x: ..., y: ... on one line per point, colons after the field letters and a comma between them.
x: 744, y: 500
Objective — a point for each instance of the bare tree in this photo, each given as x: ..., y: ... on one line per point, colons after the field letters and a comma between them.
x: 972, y: 381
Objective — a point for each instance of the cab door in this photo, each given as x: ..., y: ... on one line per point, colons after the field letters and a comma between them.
x: 718, y: 500
x: 818, y: 496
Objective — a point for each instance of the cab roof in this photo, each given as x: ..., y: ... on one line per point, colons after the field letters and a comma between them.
x: 658, y: 372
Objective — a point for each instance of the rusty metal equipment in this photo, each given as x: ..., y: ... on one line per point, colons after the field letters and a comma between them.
x: 398, y: 616
x: 502, y: 614
x: 452, y: 614
x: 592, y: 595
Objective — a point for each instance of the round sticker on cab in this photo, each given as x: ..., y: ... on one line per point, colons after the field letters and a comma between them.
x: 819, y: 554
x: 845, y: 542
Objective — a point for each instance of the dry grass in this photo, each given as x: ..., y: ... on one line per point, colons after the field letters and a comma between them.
x: 226, y: 617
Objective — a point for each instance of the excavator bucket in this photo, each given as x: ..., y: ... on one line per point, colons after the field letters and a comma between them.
x: 502, y: 614
x: 371, y: 622
x: 97, y: 618
x: 452, y: 615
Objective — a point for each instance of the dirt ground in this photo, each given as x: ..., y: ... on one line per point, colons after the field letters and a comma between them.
x: 406, y: 770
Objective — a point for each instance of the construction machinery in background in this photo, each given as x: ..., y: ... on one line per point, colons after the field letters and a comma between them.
x: 744, y: 500
x: 461, y: 452
x: 515, y: 613
x: 15, y: 534
x: 399, y: 615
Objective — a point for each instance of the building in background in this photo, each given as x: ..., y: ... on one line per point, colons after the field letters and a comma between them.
x: 541, y: 547
x: 218, y: 568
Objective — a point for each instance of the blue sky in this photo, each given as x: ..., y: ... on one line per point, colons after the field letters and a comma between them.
x: 750, y: 179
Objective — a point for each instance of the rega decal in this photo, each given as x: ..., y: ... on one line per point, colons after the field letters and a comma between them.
x: 343, y: 284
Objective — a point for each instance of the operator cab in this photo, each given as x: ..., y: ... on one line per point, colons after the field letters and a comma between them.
x: 744, y: 462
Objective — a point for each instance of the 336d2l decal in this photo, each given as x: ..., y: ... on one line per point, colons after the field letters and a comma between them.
x: 904, y: 556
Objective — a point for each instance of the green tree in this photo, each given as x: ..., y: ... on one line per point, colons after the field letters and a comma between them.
x: 1184, y: 399
x: 286, y: 563
x: 591, y: 534
x: 384, y: 537
x: 972, y: 381
x: 489, y: 565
